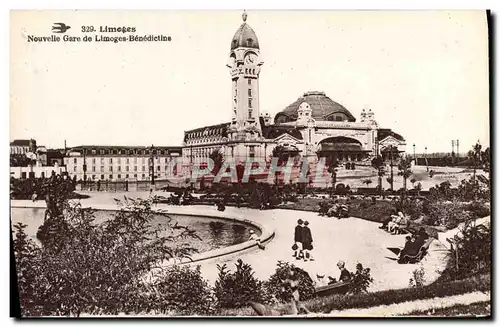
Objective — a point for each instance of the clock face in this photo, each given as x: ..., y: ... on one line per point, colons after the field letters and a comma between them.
x: 251, y: 58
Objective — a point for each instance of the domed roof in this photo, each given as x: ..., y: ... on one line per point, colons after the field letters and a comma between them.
x: 323, y: 108
x: 245, y: 36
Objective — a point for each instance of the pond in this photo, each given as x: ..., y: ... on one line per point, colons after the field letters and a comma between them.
x: 214, y: 233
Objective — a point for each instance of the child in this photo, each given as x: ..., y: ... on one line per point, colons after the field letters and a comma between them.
x: 298, y: 240
x: 307, y: 241
x: 256, y: 238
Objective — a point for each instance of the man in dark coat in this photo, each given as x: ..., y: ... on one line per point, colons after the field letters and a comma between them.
x: 307, y: 241
x: 298, y: 240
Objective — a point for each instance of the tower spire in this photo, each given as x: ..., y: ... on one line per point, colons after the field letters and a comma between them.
x: 244, y: 16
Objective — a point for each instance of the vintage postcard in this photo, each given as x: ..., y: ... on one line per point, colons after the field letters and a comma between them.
x: 250, y: 163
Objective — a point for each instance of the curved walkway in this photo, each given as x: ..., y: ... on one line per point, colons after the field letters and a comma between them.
x: 352, y: 240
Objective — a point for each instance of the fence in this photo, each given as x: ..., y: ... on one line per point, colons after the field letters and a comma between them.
x: 125, y: 186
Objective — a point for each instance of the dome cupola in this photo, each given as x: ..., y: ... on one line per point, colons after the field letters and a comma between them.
x: 245, y: 37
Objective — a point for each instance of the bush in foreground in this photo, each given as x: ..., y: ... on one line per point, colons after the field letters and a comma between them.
x: 95, y: 268
x: 275, y: 285
x: 183, y: 291
x: 235, y: 289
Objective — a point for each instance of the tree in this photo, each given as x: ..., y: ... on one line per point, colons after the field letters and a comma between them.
x: 486, y: 160
x: 475, y: 157
x: 378, y: 164
x: 404, y: 168
x: 20, y: 160
x: 390, y: 181
x: 418, y: 187
x: 332, y: 163
x: 218, y: 158
x: 96, y: 268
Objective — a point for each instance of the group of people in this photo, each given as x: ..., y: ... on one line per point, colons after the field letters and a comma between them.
x: 339, y: 210
x: 396, y: 224
x: 303, y: 241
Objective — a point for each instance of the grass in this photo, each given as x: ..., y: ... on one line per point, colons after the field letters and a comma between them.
x: 302, y: 204
x: 471, y: 310
x: 361, y: 208
x: 326, y: 304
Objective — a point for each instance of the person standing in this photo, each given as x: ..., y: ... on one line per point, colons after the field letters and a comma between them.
x: 307, y: 241
x: 297, y: 247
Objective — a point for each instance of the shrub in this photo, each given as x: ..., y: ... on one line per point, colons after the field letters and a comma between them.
x: 95, y: 268
x: 478, y: 209
x: 474, y: 249
x: 184, y: 291
x: 275, y: 285
x: 418, y: 277
x: 236, y: 289
x: 361, y: 280
x: 413, y: 207
x: 30, y: 282
x: 448, y: 214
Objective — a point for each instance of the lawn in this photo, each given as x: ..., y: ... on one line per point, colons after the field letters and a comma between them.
x: 341, y: 302
x: 377, y: 211
x: 471, y: 310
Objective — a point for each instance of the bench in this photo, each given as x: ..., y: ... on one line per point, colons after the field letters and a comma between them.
x: 409, y: 258
x: 336, y: 288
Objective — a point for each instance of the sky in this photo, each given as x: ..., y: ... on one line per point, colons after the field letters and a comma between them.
x: 423, y: 73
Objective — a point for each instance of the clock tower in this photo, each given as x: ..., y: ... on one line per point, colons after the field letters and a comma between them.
x: 244, y: 67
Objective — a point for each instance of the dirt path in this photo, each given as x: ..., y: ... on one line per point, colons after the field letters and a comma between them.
x: 412, y: 306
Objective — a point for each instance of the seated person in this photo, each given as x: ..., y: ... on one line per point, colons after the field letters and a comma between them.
x: 221, y: 206
x: 256, y: 238
x: 392, y: 224
x: 386, y: 222
x: 401, y: 224
x: 412, y: 248
x: 421, y: 237
x: 345, y: 275
x: 332, y: 211
x: 395, y: 222
x: 410, y: 240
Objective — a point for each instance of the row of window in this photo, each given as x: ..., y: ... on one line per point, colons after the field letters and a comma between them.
x: 126, y: 151
x: 209, y: 132
x: 127, y: 168
x: 127, y: 160
x: 119, y: 176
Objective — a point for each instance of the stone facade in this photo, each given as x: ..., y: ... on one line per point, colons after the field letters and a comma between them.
x: 120, y: 163
x: 313, y: 126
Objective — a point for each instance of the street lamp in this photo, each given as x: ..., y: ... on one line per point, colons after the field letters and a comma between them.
x: 392, y: 173
x: 84, y: 166
x: 152, y: 170
x: 414, y: 157
x: 426, y: 163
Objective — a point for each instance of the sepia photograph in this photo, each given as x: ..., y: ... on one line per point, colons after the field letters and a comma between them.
x: 250, y: 163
